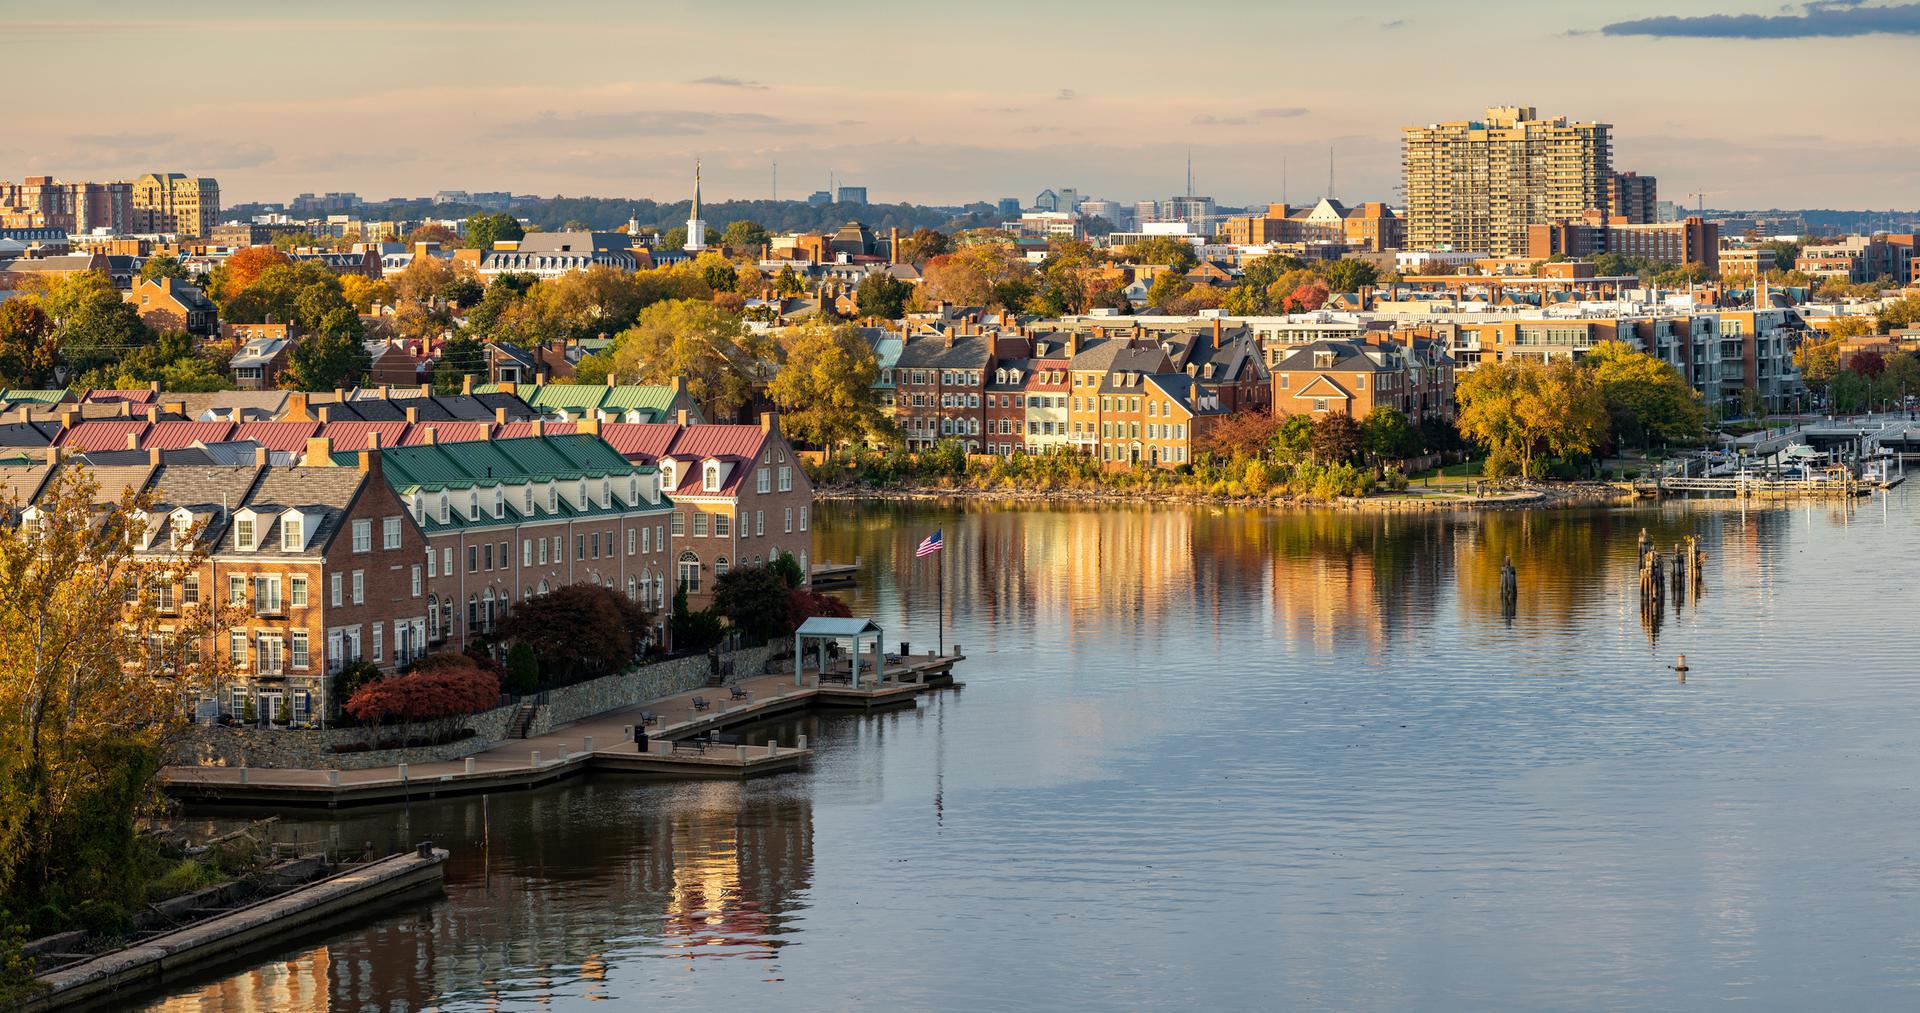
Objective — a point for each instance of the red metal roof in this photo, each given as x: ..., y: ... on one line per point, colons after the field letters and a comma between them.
x: 640, y: 442
x: 102, y: 434
x: 445, y: 432
x: 521, y: 430
x: 353, y: 435
x: 281, y: 437
x: 719, y: 441
x: 175, y: 435
x: 108, y: 396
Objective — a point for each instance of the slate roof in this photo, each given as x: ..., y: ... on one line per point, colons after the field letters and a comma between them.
x: 1349, y: 357
x: 932, y: 352
x: 328, y: 491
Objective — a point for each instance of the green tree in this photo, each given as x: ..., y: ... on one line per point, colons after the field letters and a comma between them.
x: 174, y: 359
x: 1520, y: 409
x: 156, y: 268
x: 744, y: 236
x: 825, y: 387
x: 1900, y: 313
x: 1293, y: 441
x: 1386, y: 434
x: 1646, y: 398
x: 1176, y: 253
x: 787, y: 281
x: 523, y: 670
x: 29, y: 352
x: 1817, y: 359
x: 329, y: 359
x: 787, y: 568
x: 93, y: 324
x: 575, y: 630
x: 461, y: 356
x: 1849, y: 391
x: 713, y: 351
x: 1350, y: 275
x: 1167, y: 286
x: 882, y: 296
x: 483, y: 230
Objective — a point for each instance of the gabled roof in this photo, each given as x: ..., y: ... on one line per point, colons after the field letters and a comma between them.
x: 1323, y: 386
x: 103, y: 434
x: 175, y: 435
x: 447, y: 432
x: 282, y: 437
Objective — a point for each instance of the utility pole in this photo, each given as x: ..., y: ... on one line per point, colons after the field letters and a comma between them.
x: 776, y: 181
x: 1329, y: 172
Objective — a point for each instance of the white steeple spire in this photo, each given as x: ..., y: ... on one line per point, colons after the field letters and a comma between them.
x: 696, y: 229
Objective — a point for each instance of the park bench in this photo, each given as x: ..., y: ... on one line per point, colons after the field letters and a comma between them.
x: 699, y: 703
x: 737, y: 693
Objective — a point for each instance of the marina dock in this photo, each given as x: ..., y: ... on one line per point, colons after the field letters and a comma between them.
x: 603, y: 743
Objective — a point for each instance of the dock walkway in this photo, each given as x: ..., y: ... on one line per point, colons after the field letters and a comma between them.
x: 602, y: 742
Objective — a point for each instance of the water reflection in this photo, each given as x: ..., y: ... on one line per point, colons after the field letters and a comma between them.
x: 1211, y: 757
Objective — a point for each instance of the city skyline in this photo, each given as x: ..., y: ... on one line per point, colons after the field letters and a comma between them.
x: 944, y: 108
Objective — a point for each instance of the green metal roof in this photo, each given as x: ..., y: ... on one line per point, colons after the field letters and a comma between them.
x: 18, y: 395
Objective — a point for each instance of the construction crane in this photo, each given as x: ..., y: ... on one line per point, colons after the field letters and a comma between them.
x: 1700, y: 198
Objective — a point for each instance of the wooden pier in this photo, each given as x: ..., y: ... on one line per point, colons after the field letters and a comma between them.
x: 1838, y: 483
x: 603, y: 743
x: 833, y: 576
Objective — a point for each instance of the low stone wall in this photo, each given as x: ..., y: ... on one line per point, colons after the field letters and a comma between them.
x: 648, y: 682
x: 203, y: 746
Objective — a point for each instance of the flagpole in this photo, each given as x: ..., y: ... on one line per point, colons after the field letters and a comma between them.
x: 940, y: 609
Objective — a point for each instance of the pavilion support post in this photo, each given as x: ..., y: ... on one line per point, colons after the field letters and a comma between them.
x: 799, y: 659
x: 854, y: 656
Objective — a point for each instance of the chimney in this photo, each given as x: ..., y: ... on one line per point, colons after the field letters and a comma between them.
x: 153, y: 413
x: 429, y: 436
x: 1216, y: 332
x: 133, y: 441
x: 383, y: 391
x: 466, y: 383
x: 319, y: 452
x: 26, y: 412
x: 893, y: 245
x: 296, y: 406
x: 1073, y: 344
x: 176, y: 408
x: 540, y: 378
x: 370, y: 460
x: 539, y: 427
x: 154, y: 455
x: 261, y: 457
x: 588, y: 426
x: 339, y: 394
x: 614, y: 381
x: 373, y: 440
x: 324, y: 414
x: 53, y: 454
x: 154, y: 386
x: 500, y: 416
x: 678, y: 384
x: 413, y: 415
x: 126, y: 409
x: 770, y: 422
x: 681, y: 417
x: 426, y: 390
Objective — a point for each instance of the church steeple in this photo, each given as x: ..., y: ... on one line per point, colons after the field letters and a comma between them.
x: 696, y: 229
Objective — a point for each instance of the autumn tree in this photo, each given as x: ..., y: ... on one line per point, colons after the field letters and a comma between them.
x: 1899, y: 313
x: 1245, y: 434
x: 1817, y: 358
x: 1337, y: 439
x: 825, y: 387
x: 713, y: 351
x: 332, y: 357
x: 744, y: 236
x: 1521, y: 409
x: 92, y: 682
x: 579, y: 630
x: 1176, y: 253
x: 241, y: 269
x: 923, y: 245
x: 363, y: 293
x: 1646, y: 398
x: 1386, y: 434
x: 1350, y: 275
x: 439, y: 691
x: 434, y: 232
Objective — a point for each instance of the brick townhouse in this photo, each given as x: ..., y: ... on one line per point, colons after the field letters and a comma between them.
x: 940, y: 380
x: 740, y: 497
x: 505, y: 520
x: 1410, y: 374
x: 321, y: 564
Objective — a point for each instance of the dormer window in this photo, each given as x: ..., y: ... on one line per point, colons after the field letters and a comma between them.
x: 710, y: 482
x: 606, y: 492
x: 499, y: 504
x: 473, y: 505
x: 243, y: 533
x: 292, y: 533
x: 553, y: 497
x: 444, y: 505
x: 527, y: 500
x: 666, y: 474
x: 633, y: 489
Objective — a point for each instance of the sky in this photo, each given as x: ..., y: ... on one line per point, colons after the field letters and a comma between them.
x: 1757, y: 105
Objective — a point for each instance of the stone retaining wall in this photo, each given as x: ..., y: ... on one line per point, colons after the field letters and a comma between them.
x: 313, y: 749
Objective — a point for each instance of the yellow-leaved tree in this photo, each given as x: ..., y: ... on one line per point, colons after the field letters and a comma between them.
x: 825, y: 388
x: 1521, y: 409
x: 97, y: 663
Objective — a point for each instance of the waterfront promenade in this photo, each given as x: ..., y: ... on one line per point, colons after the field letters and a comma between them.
x: 604, y: 742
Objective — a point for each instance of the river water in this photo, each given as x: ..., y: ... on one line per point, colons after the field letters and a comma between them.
x: 1245, y: 760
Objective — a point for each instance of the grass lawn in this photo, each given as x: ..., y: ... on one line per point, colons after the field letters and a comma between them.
x: 1452, y: 473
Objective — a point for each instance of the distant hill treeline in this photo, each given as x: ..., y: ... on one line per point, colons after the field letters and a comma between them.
x: 607, y: 213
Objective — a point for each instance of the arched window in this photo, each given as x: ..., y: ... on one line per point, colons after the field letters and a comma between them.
x: 690, y: 572
x: 719, y: 568
x: 473, y: 503
x: 486, y: 608
x: 543, y: 587
x: 659, y: 589
x: 712, y: 481
x: 433, y: 617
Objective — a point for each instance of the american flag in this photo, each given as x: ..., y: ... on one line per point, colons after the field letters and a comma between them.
x: 928, y: 545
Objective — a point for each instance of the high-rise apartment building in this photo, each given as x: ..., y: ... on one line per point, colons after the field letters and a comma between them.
x: 1634, y: 197
x: 188, y: 206
x: 1478, y: 184
x: 45, y: 202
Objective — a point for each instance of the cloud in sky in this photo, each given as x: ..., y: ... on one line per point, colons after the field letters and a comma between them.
x: 1281, y: 112
x: 723, y: 81
x: 647, y: 123
x: 1829, y: 19
x: 1066, y: 95
x: 1210, y: 120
